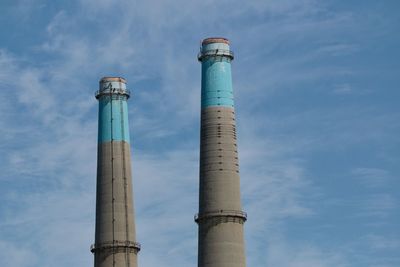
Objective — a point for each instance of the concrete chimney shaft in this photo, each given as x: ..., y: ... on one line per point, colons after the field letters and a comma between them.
x: 220, y: 216
x: 115, y: 238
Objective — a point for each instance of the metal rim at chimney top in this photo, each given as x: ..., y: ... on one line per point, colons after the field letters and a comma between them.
x: 111, y: 89
x: 215, y: 52
x: 211, y: 40
x: 112, y: 79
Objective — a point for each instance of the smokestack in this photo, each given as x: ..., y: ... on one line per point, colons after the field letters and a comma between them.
x: 115, y: 240
x: 220, y: 216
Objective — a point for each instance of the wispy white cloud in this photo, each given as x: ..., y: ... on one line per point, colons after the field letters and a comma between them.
x: 382, y: 242
x: 343, y: 89
x: 379, y: 205
x: 339, y: 49
x: 281, y: 253
x: 372, y: 177
x: 17, y: 255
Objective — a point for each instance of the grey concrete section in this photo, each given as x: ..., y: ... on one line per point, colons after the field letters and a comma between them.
x: 221, y: 243
x: 220, y: 217
x: 219, y: 166
x: 115, y: 241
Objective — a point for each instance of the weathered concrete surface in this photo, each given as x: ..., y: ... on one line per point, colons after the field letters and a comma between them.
x: 220, y: 217
x: 115, y: 237
x: 115, y: 225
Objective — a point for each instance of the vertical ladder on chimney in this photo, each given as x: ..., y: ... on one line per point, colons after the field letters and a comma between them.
x: 125, y: 178
x: 112, y: 175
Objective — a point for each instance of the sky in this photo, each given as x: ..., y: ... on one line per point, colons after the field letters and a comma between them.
x: 316, y: 87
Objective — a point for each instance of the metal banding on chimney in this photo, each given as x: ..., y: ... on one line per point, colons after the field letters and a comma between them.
x: 220, y: 217
x: 115, y: 237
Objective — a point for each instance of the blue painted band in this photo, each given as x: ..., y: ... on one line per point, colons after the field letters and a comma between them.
x: 113, y: 119
x: 218, y: 94
x: 216, y: 82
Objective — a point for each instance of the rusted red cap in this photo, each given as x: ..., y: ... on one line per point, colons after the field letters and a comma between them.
x: 215, y: 40
x: 112, y: 79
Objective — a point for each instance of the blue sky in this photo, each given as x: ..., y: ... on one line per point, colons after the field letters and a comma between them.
x: 316, y: 90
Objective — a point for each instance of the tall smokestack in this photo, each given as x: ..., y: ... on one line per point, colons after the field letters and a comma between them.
x: 115, y: 240
x: 220, y: 216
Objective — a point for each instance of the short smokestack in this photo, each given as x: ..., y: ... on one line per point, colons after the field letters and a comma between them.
x: 220, y: 216
x: 115, y: 241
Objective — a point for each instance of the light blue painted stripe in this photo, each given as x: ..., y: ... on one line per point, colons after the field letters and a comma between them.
x: 218, y: 102
x: 116, y: 129
x: 216, y: 82
x: 216, y: 94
